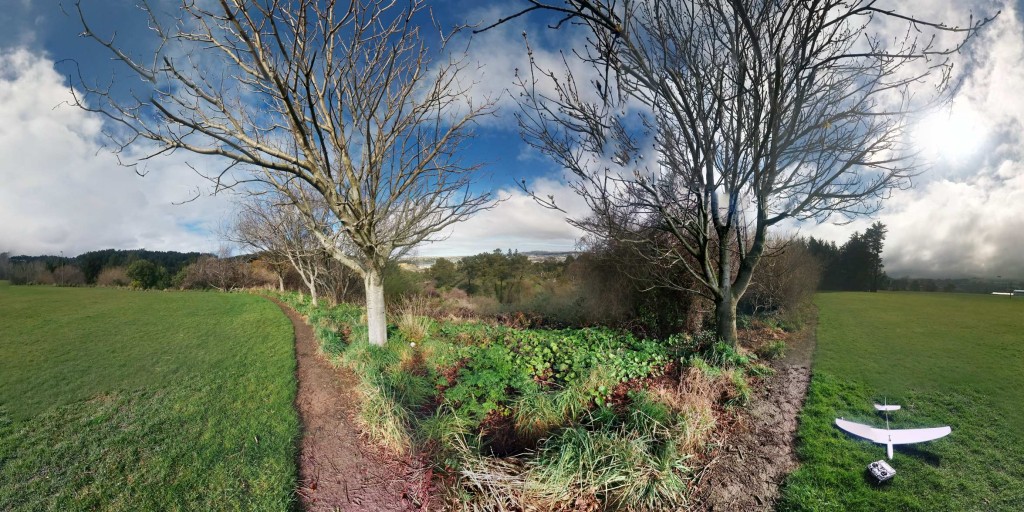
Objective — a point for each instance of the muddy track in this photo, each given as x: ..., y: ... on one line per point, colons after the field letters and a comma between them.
x: 758, y: 454
x: 339, y: 470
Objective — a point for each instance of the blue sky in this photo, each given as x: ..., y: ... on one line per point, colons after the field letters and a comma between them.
x: 61, y: 191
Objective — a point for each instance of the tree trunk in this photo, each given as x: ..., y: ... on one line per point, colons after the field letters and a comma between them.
x: 280, y: 282
x: 376, y: 320
x: 312, y: 292
x: 725, y: 319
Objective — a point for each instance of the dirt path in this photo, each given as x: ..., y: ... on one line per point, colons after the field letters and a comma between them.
x: 337, y: 469
x: 758, y: 454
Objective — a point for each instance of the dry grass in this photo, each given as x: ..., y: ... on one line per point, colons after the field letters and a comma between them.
x: 694, y: 400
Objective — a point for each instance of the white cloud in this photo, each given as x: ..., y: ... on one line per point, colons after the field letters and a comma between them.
x: 60, y: 190
x: 517, y: 222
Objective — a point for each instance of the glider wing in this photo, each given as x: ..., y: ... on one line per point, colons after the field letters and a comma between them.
x: 870, y: 433
x: 917, y: 435
x: 902, y: 436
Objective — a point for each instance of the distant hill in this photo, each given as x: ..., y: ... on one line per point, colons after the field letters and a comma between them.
x: 423, y: 262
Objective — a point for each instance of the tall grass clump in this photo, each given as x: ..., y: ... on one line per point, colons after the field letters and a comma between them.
x: 383, y: 418
x: 413, y: 319
x: 629, y: 462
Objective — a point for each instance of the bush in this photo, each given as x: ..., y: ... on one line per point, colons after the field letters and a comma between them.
x: 113, y: 276
x: 68, y: 275
x: 34, y: 272
x: 145, y: 274
x: 224, y: 274
x: 785, y: 281
x: 400, y: 283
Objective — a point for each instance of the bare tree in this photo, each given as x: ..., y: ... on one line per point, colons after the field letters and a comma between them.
x: 272, y: 224
x: 340, y: 96
x: 714, y: 120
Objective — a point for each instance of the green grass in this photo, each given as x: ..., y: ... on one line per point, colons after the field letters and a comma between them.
x: 949, y: 359
x: 125, y: 400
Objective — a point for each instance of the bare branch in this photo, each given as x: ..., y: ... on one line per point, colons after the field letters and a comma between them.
x: 691, y: 128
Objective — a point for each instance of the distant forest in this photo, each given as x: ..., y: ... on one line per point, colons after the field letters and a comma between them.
x: 93, y: 263
x: 857, y: 266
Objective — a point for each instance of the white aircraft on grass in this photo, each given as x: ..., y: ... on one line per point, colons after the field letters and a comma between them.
x: 891, y: 437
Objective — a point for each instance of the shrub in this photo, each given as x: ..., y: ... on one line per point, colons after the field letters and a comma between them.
x: 113, y: 276
x: 34, y: 272
x: 786, y: 278
x: 400, y: 283
x: 145, y: 274
x: 68, y: 275
x: 223, y: 274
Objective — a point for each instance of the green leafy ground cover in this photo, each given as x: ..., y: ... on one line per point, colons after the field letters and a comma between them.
x: 125, y: 400
x: 518, y: 417
x: 949, y: 359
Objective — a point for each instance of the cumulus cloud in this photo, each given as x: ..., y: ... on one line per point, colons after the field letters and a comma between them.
x: 60, y: 190
x: 517, y: 222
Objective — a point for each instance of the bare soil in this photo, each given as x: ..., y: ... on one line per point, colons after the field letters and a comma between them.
x: 746, y: 472
x: 339, y: 470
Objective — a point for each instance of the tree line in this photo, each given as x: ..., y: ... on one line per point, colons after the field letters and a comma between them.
x: 86, y: 268
x: 854, y: 266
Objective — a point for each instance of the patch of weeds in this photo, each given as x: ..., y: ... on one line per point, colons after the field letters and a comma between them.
x: 487, y: 383
x: 772, y: 350
x: 566, y: 409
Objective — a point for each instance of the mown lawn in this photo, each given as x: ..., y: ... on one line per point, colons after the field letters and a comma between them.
x: 949, y: 359
x: 128, y: 400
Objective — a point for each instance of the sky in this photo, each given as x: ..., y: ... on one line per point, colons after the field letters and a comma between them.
x: 63, y: 190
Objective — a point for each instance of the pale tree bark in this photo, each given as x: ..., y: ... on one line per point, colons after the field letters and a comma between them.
x: 375, y: 305
x: 339, y: 96
x: 710, y: 121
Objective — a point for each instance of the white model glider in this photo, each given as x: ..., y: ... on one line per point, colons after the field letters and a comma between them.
x: 891, y: 437
x: 886, y: 408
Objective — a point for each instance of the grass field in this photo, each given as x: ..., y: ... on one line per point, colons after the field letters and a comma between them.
x: 949, y: 359
x: 127, y: 400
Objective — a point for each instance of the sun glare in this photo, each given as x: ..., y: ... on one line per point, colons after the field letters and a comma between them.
x: 950, y: 135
